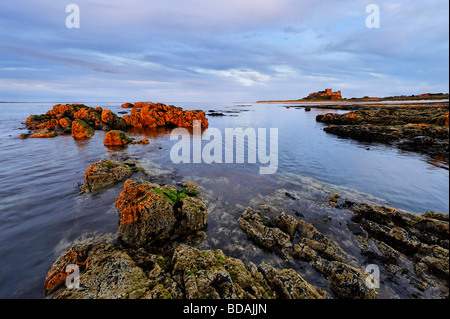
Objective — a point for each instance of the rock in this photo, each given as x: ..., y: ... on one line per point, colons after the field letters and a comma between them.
x: 158, y: 115
x: 143, y: 141
x: 191, y: 189
x: 113, y: 121
x: 61, y: 119
x: 104, y: 174
x: 307, y: 109
x: 269, y: 237
x: 110, y: 271
x: 127, y: 105
x: 23, y: 136
x: 81, y: 130
x: 106, y: 272
x: 116, y: 138
x: 43, y: 133
x: 345, y: 281
x: 311, y: 243
x: 152, y: 213
x: 436, y: 215
x: 407, y: 238
x: 315, y: 240
x: 57, y: 274
x: 413, y: 128
x: 289, y: 284
x: 287, y: 224
x: 192, y: 213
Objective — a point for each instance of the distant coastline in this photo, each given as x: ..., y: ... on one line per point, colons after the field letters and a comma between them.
x: 425, y: 98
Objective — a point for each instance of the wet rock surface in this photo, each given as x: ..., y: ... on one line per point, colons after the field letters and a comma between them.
x: 108, y: 270
x: 418, y: 129
x: 312, y: 246
x: 151, y: 213
x: 314, y: 243
x: 104, y: 174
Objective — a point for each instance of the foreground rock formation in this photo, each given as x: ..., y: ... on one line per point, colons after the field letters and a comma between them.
x: 419, y: 129
x: 146, y: 263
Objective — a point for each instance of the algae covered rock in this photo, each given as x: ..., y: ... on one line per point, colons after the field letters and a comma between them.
x: 346, y: 281
x: 151, y: 212
x: 106, y: 272
x: 81, y: 130
x: 104, y: 174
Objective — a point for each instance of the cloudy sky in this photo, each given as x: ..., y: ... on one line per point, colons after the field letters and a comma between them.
x: 220, y: 50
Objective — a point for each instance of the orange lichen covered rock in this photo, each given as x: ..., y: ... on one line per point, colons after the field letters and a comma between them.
x: 112, y: 120
x: 116, y: 138
x: 59, y: 271
x: 43, y: 133
x: 51, y: 124
x: 142, y: 141
x: 127, y: 105
x: 65, y: 123
x: 446, y: 122
x: 157, y: 115
x: 351, y: 116
x: 81, y: 130
x: 150, y: 213
x: 104, y: 174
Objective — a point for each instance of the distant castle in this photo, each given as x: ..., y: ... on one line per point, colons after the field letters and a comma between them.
x: 327, y: 93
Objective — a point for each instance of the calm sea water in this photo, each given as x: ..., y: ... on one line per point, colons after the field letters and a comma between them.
x: 42, y: 214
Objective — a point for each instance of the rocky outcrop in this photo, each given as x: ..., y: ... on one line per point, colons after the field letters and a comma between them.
x: 312, y: 246
x: 104, y: 174
x: 110, y: 271
x: 412, y: 248
x: 158, y: 115
x: 419, y: 129
x: 151, y: 213
x: 63, y: 119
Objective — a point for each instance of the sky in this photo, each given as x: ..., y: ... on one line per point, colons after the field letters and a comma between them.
x: 220, y: 50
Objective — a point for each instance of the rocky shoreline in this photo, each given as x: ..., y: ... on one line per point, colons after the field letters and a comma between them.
x: 82, y: 121
x: 413, y: 128
x: 157, y: 251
